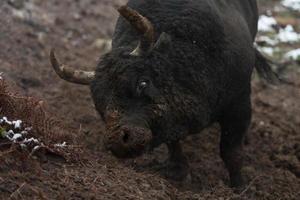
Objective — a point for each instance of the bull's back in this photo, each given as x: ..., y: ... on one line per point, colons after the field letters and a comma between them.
x: 175, y: 16
x: 249, y: 11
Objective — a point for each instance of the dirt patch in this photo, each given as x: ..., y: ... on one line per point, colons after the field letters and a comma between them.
x: 76, y: 28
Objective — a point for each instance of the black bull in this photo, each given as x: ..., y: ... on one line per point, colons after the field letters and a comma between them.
x: 176, y: 67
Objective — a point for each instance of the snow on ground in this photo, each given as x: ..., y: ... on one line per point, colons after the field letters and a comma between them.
x: 268, y: 40
x: 266, y: 23
x: 267, y: 50
x: 270, y: 51
x: 14, y: 132
x: 292, y: 4
x: 272, y: 34
x: 288, y: 35
x: 64, y: 144
x: 17, y: 124
x: 293, y: 55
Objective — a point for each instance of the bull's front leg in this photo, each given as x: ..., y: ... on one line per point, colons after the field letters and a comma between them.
x: 176, y: 167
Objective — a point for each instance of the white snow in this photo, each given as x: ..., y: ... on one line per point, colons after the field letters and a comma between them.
x: 292, y: 4
x: 288, y: 35
x: 31, y: 140
x: 17, y: 124
x: 5, y: 120
x: 268, y: 40
x: 36, y: 147
x: 17, y: 136
x: 64, y: 144
x: 9, y: 135
x: 293, y: 55
x: 285, y: 35
x: 28, y: 129
x: 265, y: 23
x: 1, y: 73
x: 12, y: 136
x: 24, y: 132
x: 267, y: 50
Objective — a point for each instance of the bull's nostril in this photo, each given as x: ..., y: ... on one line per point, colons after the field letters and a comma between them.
x: 125, y: 136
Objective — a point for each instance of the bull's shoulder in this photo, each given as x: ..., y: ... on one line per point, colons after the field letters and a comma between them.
x: 184, y: 19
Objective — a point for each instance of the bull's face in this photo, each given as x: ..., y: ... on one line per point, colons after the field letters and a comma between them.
x: 126, y: 102
x: 129, y: 101
x: 127, y: 90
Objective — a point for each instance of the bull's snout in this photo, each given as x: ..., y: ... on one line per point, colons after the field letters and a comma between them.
x: 128, y: 141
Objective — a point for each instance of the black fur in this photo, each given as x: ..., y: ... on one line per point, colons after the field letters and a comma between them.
x: 203, y: 76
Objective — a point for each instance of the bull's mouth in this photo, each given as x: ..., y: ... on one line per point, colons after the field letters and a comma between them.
x: 126, y: 152
x: 128, y: 142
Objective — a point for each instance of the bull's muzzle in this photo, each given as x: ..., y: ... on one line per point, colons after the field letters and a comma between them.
x: 127, y: 142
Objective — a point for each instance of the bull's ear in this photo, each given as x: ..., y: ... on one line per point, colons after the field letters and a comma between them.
x: 163, y: 43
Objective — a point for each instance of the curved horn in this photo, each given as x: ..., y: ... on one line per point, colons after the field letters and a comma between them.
x: 142, y: 26
x: 69, y: 74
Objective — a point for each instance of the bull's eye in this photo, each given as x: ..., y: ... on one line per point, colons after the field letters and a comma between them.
x: 141, y: 86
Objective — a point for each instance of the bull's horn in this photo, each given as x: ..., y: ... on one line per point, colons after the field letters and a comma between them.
x: 69, y: 74
x: 143, y: 26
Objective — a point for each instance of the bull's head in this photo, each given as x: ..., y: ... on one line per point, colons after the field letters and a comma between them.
x: 125, y: 88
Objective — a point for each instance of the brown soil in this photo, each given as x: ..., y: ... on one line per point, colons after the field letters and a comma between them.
x: 74, y: 28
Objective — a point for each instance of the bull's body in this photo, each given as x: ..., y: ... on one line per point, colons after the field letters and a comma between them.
x: 213, y: 55
x: 207, y: 77
x: 202, y: 76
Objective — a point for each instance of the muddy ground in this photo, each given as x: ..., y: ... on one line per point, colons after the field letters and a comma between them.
x: 76, y: 29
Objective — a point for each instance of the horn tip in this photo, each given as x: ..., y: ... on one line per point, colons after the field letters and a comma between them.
x: 52, y: 52
x: 53, y: 60
x: 120, y: 8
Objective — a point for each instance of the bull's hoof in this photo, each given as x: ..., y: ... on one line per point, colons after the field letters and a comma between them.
x: 176, y: 171
x: 237, y: 184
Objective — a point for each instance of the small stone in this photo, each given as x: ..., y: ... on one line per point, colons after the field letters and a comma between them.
x: 41, y: 37
x: 76, y: 16
x: 103, y: 44
x: 18, y: 4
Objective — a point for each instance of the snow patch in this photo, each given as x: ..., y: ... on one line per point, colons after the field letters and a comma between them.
x: 292, y: 4
x: 64, y: 144
x: 17, y: 136
x: 268, y: 40
x: 293, y: 55
x: 268, y: 50
x: 5, y: 120
x: 36, y: 148
x: 14, y: 132
x: 285, y: 35
x: 17, y: 124
x: 31, y: 140
x: 288, y: 35
x: 266, y: 23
